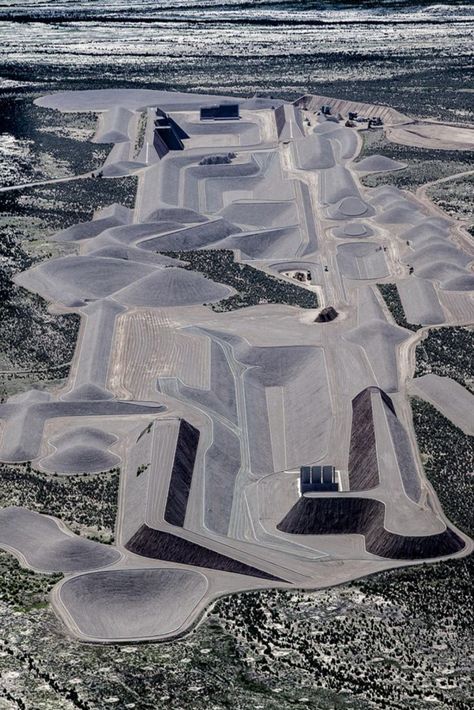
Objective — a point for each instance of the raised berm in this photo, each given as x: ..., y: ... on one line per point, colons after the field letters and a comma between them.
x: 452, y: 399
x: 458, y: 279
x: 92, y: 360
x: 45, y: 546
x: 276, y: 243
x: 113, y: 126
x: 353, y: 229
x: 420, y: 302
x: 378, y: 339
x: 362, y: 260
x: 348, y: 208
x: 74, y: 280
x: 81, y: 450
x: 173, y: 287
x: 279, y: 381
x: 129, y: 234
x: 220, y: 397
x: 376, y: 437
x: 335, y: 184
x: 222, y: 464
x: 132, y: 604
x: 159, y: 490
x: 444, y: 252
x: 313, y: 102
x: 441, y: 260
x: 289, y: 122
x: 191, y: 237
x: 384, y: 196
x: 393, y: 207
x: 25, y: 416
x: 184, y: 215
x: 181, y: 474
x: 378, y: 164
x: 106, y: 218
x: 343, y: 140
x: 120, y: 161
x: 117, y: 251
x: 160, y: 545
x: 365, y: 516
x: 313, y: 152
x: 430, y: 231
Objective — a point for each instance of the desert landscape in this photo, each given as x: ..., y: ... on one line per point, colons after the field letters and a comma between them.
x: 242, y: 358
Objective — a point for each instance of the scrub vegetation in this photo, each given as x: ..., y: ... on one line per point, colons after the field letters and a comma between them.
x: 22, y: 589
x: 253, y: 286
x: 38, y: 144
x: 87, y: 504
x: 448, y: 352
x: 35, y: 345
x: 392, y: 299
x: 448, y: 459
x: 423, y: 164
x: 455, y: 197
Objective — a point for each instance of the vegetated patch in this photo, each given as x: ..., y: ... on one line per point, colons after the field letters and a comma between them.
x: 36, y: 345
x: 392, y: 298
x: 254, y: 287
x: 423, y: 164
x: 327, y: 315
x: 369, y: 639
x: 32, y: 340
x: 140, y: 134
x: 447, y: 453
x: 59, y: 205
x: 223, y: 159
x: 454, y: 197
x: 87, y: 504
x: 142, y: 468
x: 41, y: 144
x: 21, y: 588
x: 448, y: 458
x: 146, y: 430
x: 448, y: 352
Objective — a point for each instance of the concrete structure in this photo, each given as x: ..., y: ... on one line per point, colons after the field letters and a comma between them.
x: 318, y: 479
x: 219, y: 112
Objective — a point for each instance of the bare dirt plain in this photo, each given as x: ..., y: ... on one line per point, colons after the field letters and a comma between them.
x: 217, y: 406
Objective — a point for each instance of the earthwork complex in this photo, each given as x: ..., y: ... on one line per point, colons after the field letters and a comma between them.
x: 238, y: 362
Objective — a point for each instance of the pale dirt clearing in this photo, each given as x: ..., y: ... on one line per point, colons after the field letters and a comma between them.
x: 148, y: 345
x: 433, y: 135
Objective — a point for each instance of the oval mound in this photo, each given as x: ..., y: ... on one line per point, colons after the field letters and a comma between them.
x: 173, y: 287
x: 132, y: 604
x: 80, y: 459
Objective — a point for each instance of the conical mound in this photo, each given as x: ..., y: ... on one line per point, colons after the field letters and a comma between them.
x: 172, y: 287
